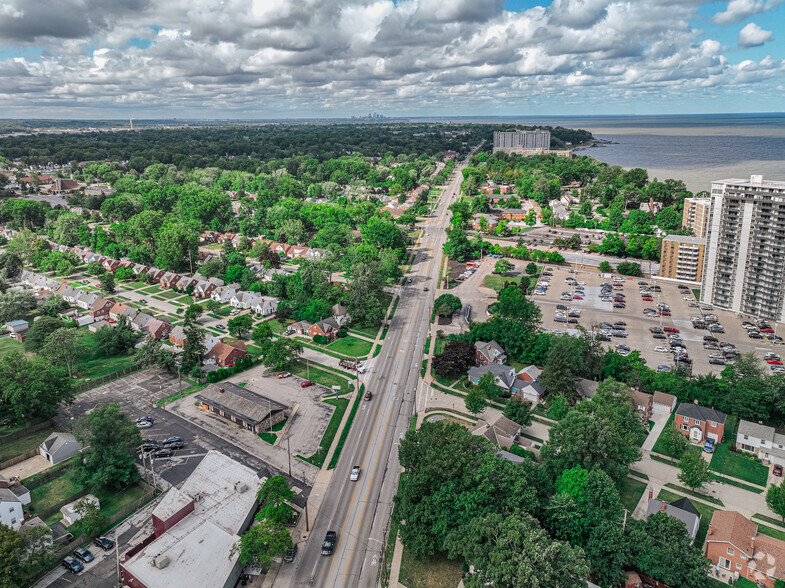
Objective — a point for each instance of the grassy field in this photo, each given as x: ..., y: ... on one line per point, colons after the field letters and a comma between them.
x: 319, y: 376
x: 351, y: 346
x: 367, y: 331
x: 706, y: 513
x: 430, y: 572
x: 54, y: 491
x: 738, y: 465
x: 24, y: 444
x: 317, y: 458
x: 94, y: 365
x: 630, y: 492
x: 345, y: 431
x: 496, y: 281
x: 438, y: 346
x: 9, y: 345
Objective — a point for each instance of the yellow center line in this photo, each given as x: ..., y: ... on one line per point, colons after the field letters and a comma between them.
x: 376, y: 466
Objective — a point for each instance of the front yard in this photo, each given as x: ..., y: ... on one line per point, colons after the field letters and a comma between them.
x: 94, y: 365
x: 351, y: 346
x: 706, y: 513
x: 430, y: 572
x: 323, y: 377
x: 630, y: 492
x: 738, y: 465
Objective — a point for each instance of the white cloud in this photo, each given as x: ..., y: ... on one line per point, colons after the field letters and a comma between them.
x: 753, y: 36
x: 738, y: 10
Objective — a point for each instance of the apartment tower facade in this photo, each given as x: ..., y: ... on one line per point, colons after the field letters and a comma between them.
x: 521, y: 140
x: 681, y: 258
x: 745, y: 248
x: 696, y: 215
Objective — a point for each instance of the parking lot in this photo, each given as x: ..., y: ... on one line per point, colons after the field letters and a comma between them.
x: 594, y: 311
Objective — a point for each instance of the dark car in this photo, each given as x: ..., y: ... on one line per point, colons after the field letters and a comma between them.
x: 104, y: 543
x: 368, y: 395
x: 172, y: 439
x: 290, y: 554
x: 83, y: 554
x: 619, y: 305
x: 754, y: 335
x: 717, y: 362
x: 777, y: 470
x: 148, y: 447
x: 573, y: 321
x: 174, y: 445
x: 165, y: 452
x: 329, y: 543
x: 655, y: 330
x: 619, y: 324
x: 72, y: 565
x: 659, y: 336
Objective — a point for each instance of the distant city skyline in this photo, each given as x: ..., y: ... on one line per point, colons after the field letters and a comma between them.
x: 340, y: 58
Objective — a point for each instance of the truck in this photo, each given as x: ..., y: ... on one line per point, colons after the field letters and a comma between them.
x: 329, y: 543
x: 352, y: 365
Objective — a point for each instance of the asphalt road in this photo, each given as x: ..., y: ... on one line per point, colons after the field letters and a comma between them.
x: 360, y: 511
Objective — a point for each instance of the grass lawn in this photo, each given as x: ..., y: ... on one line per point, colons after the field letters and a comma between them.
x: 444, y: 381
x: 769, y: 519
x: 438, y: 346
x: 738, y: 465
x: 706, y: 513
x: 658, y: 447
x: 152, y: 289
x: 345, y: 431
x: 429, y: 572
x: 630, y: 492
x: 367, y: 331
x: 177, y: 395
x: 325, y: 378
x: 186, y: 299
x: 94, y: 365
x: 340, y: 405
x: 268, y: 437
x: 496, y: 281
x: 133, y: 285
x: 54, y: 491
x: 24, y: 444
x: 112, y: 502
x: 392, y: 310
x: 9, y: 345
x: 351, y: 346
x: 771, y: 532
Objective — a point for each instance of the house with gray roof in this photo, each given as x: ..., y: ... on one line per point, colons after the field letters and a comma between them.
x: 761, y: 440
x: 490, y: 352
x: 86, y: 300
x: 140, y: 320
x: 700, y: 423
x: 681, y: 509
x: 242, y: 405
x: 503, y: 432
x: 58, y: 447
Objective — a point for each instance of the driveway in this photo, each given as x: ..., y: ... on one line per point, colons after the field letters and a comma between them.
x: 26, y: 468
x: 659, y: 418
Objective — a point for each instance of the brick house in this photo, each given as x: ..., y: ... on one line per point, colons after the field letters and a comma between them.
x: 110, y: 265
x: 117, y: 310
x: 177, y: 336
x: 514, y: 213
x: 327, y: 328
x: 158, y: 328
x: 225, y: 355
x: 644, y: 403
x: 490, y: 352
x: 664, y: 402
x: 169, y: 279
x: 101, y: 307
x: 700, y: 423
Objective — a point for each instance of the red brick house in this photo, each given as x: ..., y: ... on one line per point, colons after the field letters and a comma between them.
x: 158, y: 328
x: 169, y: 279
x: 700, y: 423
x: 226, y: 355
x: 101, y: 307
x: 177, y: 336
x: 490, y: 352
x: 110, y: 265
x: 326, y: 328
x: 514, y: 213
x: 644, y: 403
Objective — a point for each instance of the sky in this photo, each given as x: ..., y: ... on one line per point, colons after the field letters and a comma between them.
x: 335, y: 58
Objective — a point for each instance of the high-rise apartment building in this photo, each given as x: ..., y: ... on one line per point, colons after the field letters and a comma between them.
x: 744, y: 266
x: 512, y: 141
x: 681, y: 258
x: 696, y: 215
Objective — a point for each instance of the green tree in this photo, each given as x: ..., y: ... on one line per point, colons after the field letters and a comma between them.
x: 694, y: 470
x: 605, y: 267
x: 93, y: 521
x: 559, y: 408
x: 112, y: 342
x: 40, y: 330
x: 262, y: 543
x: 513, y: 304
x: 193, y: 349
x: 273, y: 496
x: 14, y: 304
x: 487, y: 385
x: 447, y: 304
x: 262, y: 332
x: 280, y: 353
x: 456, y: 358
x: 107, y: 283
x: 51, y: 307
x: 110, y: 439
x: 775, y: 499
x: 66, y: 229
x: 502, y: 266
x: 10, y: 265
x: 64, y: 347
x: 31, y: 388
x: 240, y: 325
x: 366, y: 300
x: 629, y: 268
x: 674, y: 442
x: 531, y: 268
x: 124, y: 273
x: 192, y: 314
x: 152, y: 354
x: 177, y: 247
x: 475, y: 401
x: 557, y: 376
x: 668, y: 219
x: 519, y: 411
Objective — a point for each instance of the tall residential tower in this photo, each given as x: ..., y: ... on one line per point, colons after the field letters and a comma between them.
x: 745, y: 248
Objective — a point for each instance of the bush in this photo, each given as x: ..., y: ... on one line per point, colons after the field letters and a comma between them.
x: 629, y: 268
x: 520, y: 452
x: 342, y: 332
x: 220, y: 374
x: 321, y: 339
x: 604, y: 266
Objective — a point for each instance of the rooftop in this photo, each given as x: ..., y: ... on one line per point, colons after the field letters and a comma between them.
x: 733, y: 527
x: 685, y: 239
x: 239, y: 402
x: 752, y: 182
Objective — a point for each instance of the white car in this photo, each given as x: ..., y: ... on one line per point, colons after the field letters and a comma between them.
x: 660, y: 349
x: 355, y: 475
x: 581, y: 283
x: 689, y: 298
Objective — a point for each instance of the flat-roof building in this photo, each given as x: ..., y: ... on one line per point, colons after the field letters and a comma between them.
x: 247, y: 408
x: 744, y: 267
x: 681, y: 258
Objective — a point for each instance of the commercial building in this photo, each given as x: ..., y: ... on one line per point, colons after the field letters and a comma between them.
x: 696, y: 215
x: 195, y: 528
x: 245, y: 407
x: 745, y: 248
x: 681, y: 258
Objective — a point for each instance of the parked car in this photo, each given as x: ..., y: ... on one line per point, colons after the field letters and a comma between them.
x: 290, y: 554
x: 709, y: 446
x: 165, y: 452
x: 670, y: 329
x: 220, y: 327
x: 72, y: 565
x: 283, y: 375
x: 717, y: 361
x: 83, y: 554
x: 104, y: 543
x: 144, y: 424
x: 306, y: 384
x: 660, y: 349
x: 174, y: 445
x: 663, y: 368
x: 659, y: 336
x: 172, y: 439
x: 329, y: 543
x: 777, y: 470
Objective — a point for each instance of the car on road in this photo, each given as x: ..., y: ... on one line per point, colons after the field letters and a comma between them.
x: 709, y: 446
x: 689, y: 299
x: 306, y: 384
x: 104, y: 543
x: 425, y: 289
x: 621, y: 334
x: 355, y: 475
x: 291, y: 553
x: 148, y: 447
x: 771, y: 355
x: 83, y: 554
x: 660, y: 349
x: 665, y: 312
x: 655, y: 329
x: 165, y: 452
x: 143, y: 301
x: 72, y: 565
x: 693, y: 305
x: 144, y: 424
x: 643, y: 283
x: 767, y: 330
x: 329, y: 543
x: 368, y: 395
x: 220, y: 327
x: 283, y: 375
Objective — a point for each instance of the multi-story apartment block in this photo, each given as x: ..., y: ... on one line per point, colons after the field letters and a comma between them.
x: 744, y: 262
x: 696, y: 215
x: 681, y: 258
x: 522, y: 139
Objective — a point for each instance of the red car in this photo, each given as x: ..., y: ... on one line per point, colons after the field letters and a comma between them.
x: 306, y: 384
x: 767, y: 330
x: 648, y: 298
x: 576, y: 297
x: 670, y: 329
x: 665, y: 312
x: 773, y: 362
x: 777, y: 470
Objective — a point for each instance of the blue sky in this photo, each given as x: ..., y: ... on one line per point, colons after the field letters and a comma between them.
x: 332, y: 58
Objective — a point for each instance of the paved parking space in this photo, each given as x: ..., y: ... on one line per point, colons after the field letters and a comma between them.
x: 26, y: 468
x: 595, y: 311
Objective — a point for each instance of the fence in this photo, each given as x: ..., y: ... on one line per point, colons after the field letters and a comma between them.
x: 53, y: 509
x: 146, y: 497
x: 26, y: 431
x: 18, y: 459
x: 105, y: 379
x: 47, y: 476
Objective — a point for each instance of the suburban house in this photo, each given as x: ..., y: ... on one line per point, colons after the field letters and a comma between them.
x: 327, y: 328
x: 247, y: 408
x: 490, y: 219
x: 169, y: 279
x: 341, y: 314
x: 117, y: 311
x: 644, y: 403
x: 734, y: 545
x: 300, y: 327
x: 86, y: 300
x: 244, y: 299
x: 700, y: 423
x: 265, y: 305
x: 18, y: 329
x: 11, y: 507
x: 98, y: 325
x: 177, y: 336
x: 156, y: 274
x: 664, y: 402
x: 504, y: 375
x: 100, y: 308
x: 130, y: 313
x: 157, y: 328
x: 58, y: 447
x: 196, y: 524
x: 681, y: 509
x: 490, y: 352
x: 503, y: 432
x: 761, y: 440
x: 224, y: 294
x: 110, y: 265
x: 226, y: 355
x: 74, y: 316
x: 140, y: 320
